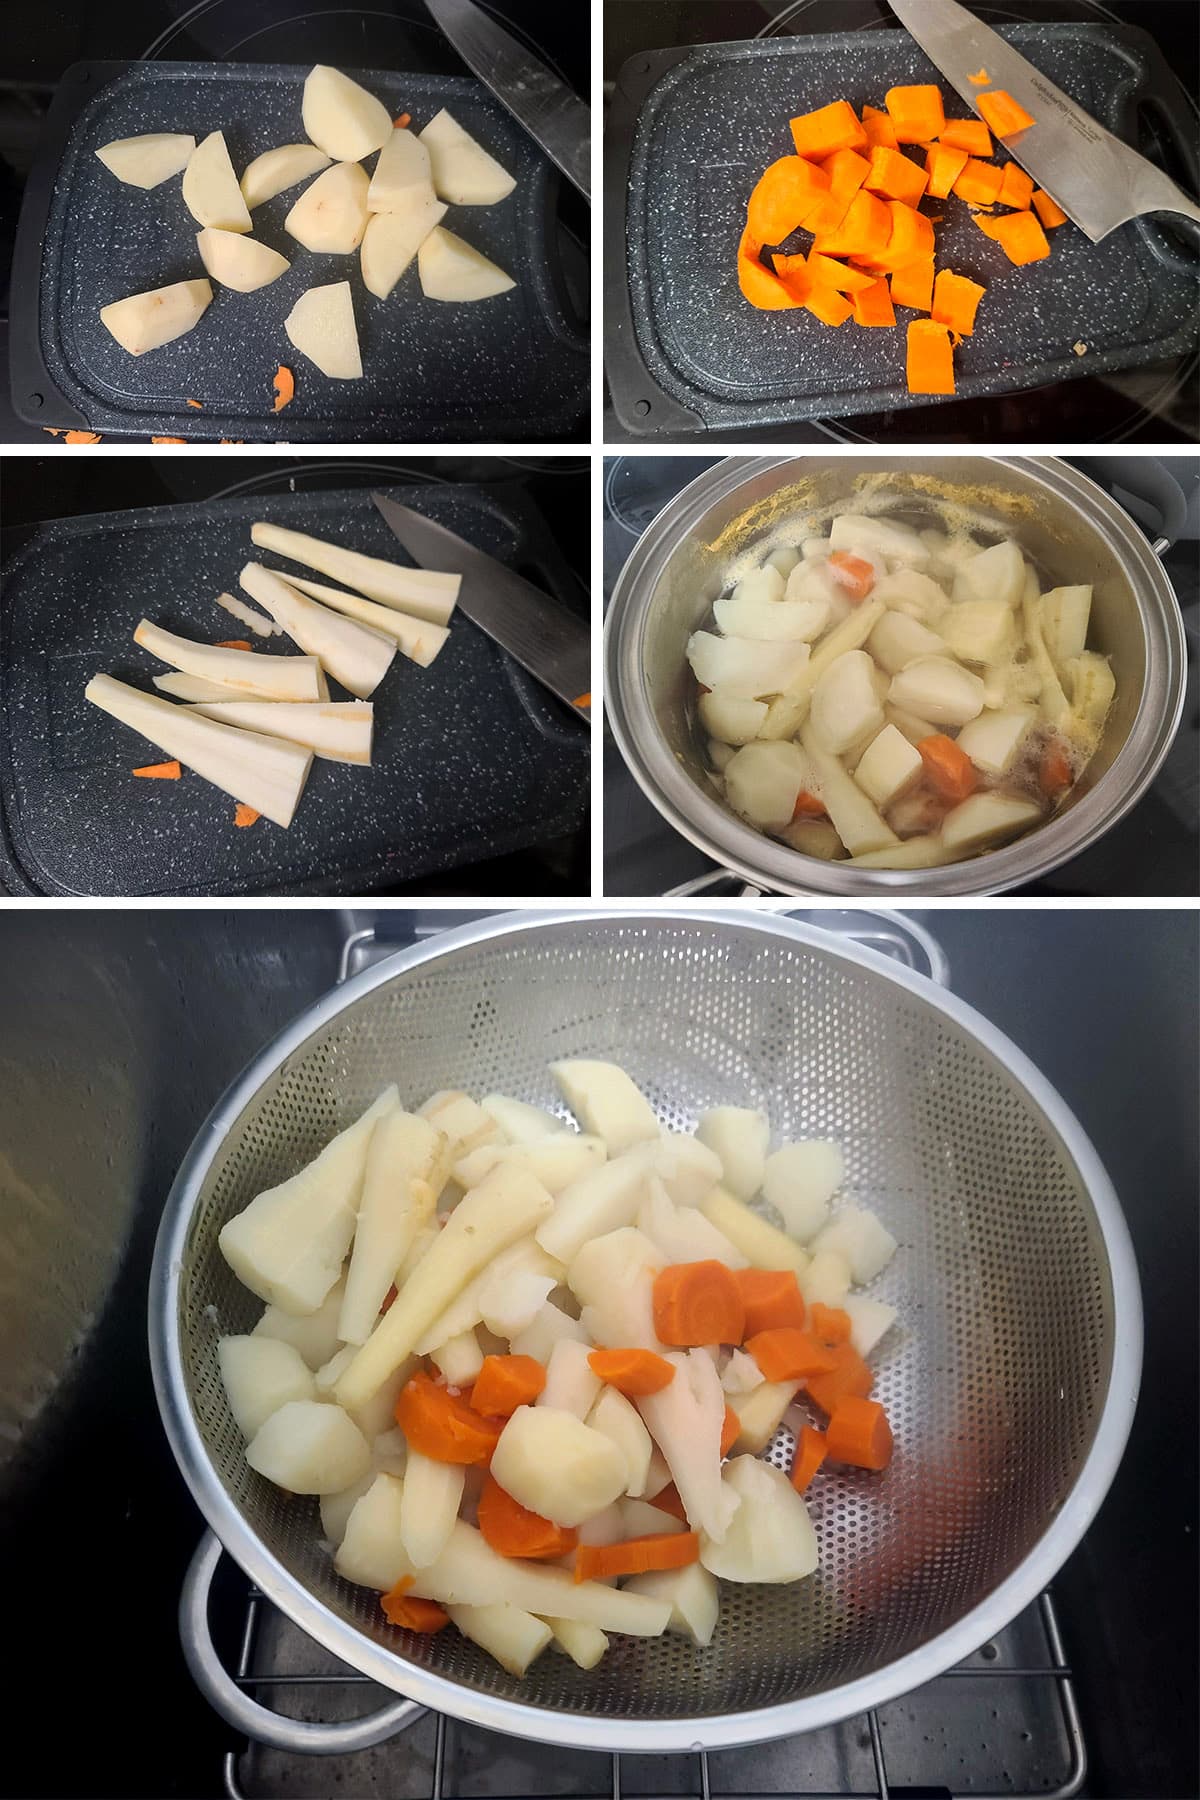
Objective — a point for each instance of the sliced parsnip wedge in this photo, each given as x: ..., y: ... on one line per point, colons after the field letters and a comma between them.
x: 405, y: 1169
x: 278, y: 169
x: 341, y: 117
x: 335, y: 731
x: 452, y: 270
x: 239, y: 262
x: 146, y: 321
x: 463, y: 171
x: 143, y: 162
x: 249, y: 616
x: 321, y: 326
x: 200, y: 691
x: 403, y: 175
x: 262, y: 772
x: 392, y: 239
x: 353, y: 654
x: 426, y: 593
x: 256, y: 677
x: 210, y: 187
x: 331, y: 213
x: 419, y: 639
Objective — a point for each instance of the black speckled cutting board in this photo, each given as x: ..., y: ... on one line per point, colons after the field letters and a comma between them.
x: 513, y: 367
x: 691, y: 131
x: 472, y: 758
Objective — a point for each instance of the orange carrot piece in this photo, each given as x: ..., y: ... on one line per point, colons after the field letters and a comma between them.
x: 759, y: 286
x: 955, y: 301
x: 854, y: 574
x: 506, y: 1382
x: 164, y: 771
x: 198, y: 404
x: 792, y: 271
x: 632, y: 1372
x: 403, y: 120
x: 910, y: 237
x: 879, y: 128
x: 93, y: 437
x: 285, y: 388
x: 912, y: 285
x: 667, y: 1500
x: 895, y: 176
x: 810, y: 1454
x: 863, y: 232
x: 234, y: 644
x: 874, y: 307
x: 1019, y: 235
x: 770, y: 1297
x: 847, y: 171
x: 637, y: 1556
x: 698, y: 1303
x: 389, y: 1299
x: 730, y: 1426
x: 808, y: 806
x: 1016, y: 190
x: 916, y: 112
x: 439, y: 1425
x: 153, y: 440
x: 949, y: 770
x: 945, y: 164
x: 971, y: 135
x: 827, y: 214
x: 850, y: 1375
x: 929, y: 367
x: 979, y: 80
x: 979, y: 183
x: 829, y: 306
x: 783, y: 193
x: 1055, y: 773
x: 1047, y: 209
x: 53, y: 430
x: 858, y: 1433
x: 830, y: 1325
x: 1005, y: 115
x: 786, y: 1354
x: 834, y: 127
x: 411, y: 1614
x: 512, y: 1530
x: 826, y: 271
x: 244, y: 815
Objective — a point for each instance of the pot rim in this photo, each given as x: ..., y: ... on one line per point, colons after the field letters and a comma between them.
x: 735, y: 846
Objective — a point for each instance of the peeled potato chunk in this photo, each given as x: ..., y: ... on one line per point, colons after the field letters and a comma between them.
x: 451, y: 270
x: 310, y: 1447
x: 463, y: 172
x: 144, y: 161
x: 862, y: 1239
x: 558, y: 1467
x: 771, y: 1538
x: 239, y: 262
x: 607, y: 1103
x: 261, y: 1374
x: 402, y: 175
x: 146, y: 321
x: 692, y: 1595
x: 739, y: 1136
x: 341, y: 117
x: 275, y: 170
x: 321, y: 326
x: 210, y: 187
x: 390, y: 242
x: 800, y: 1180
x: 331, y: 213
x: 515, y: 1638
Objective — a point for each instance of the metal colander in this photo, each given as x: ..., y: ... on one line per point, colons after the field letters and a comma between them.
x: 1010, y: 1379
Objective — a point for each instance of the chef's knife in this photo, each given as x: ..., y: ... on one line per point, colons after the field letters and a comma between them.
x: 536, y: 630
x: 547, y: 109
x: 1097, y: 180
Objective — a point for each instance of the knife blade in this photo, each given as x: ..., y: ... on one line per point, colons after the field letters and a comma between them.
x: 542, y: 104
x: 536, y: 630
x: 1098, y: 181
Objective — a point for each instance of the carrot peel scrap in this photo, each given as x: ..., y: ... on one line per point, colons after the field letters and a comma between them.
x: 285, y: 387
x: 234, y: 644
x: 83, y: 437
x: 164, y: 771
x: 245, y: 815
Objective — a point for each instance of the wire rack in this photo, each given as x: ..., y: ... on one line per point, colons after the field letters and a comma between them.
x: 1004, y: 1725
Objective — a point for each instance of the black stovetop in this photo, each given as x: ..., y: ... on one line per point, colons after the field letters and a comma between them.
x: 1152, y: 851
x: 1159, y: 404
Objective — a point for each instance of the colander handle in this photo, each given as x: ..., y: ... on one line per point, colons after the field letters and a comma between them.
x: 235, y: 1706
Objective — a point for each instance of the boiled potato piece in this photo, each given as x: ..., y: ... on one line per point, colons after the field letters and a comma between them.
x: 513, y: 1637
x: 146, y: 321
x: 331, y: 213
x: 617, y: 1419
x: 404, y: 1172
x: 336, y: 1508
x: 979, y: 631
x: 607, y: 1103
x: 390, y: 242
x: 764, y: 585
x: 321, y: 326
x: 686, y: 1419
x: 1064, y: 614
x: 372, y: 1550
x: 572, y: 1385
x: 986, y: 819
x: 640, y: 1519
x: 826, y: 1279
x: 239, y: 262
x: 784, y: 559
x: 939, y: 689
x: 909, y: 724
x: 428, y: 1507
x: 741, y: 1373
x: 557, y: 1161
x: 687, y: 1169
x: 738, y: 1136
x: 913, y: 595
x: 862, y: 536
x: 1092, y: 687
x: 869, y: 1320
x: 509, y: 1304
x: 772, y: 1537
x: 612, y: 1277
x: 813, y: 837
x: 762, y: 782
x: 288, y: 1245
x: 341, y: 118
x: 760, y: 1242
x: 888, y: 768
x: 451, y: 269
x: 769, y: 621
x: 278, y: 169
x: 760, y: 1411
x: 465, y: 1312
x: 314, y: 1335
x: 927, y: 852
x: 459, y: 1359
x: 584, y: 1644
x: 789, y: 710
x: 994, y: 739
x: 558, y: 1467
x: 210, y: 187
x: 402, y: 176
x: 260, y: 1375
x: 549, y: 1328
x: 519, y: 1122
x: 800, y: 1180
x: 144, y: 161
x: 463, y: 172
x: 744, y: 668
x: 731, y: 720
x: 682, y: 1233
x: 995, y: 574
x: 692, y: 1595
x: 378, y: 1414
x: 862, y: 1239
x: 853, y: 816
x: 309, y: 1447
x: 846, y: 710
x: 466, y: 1124
x: 899, y: 639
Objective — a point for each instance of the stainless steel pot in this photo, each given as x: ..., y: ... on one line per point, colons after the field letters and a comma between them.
x: 1067, y: 523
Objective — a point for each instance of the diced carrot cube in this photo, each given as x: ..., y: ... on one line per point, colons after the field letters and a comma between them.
x: 1016, y: 189
x: 971, y: 135
x: 847, y: 171
x: 782, y: 195
x: 829, y: 306
x: 834, y: 127
x: 930, y: 360
x: 916, y: 112
x: 879, y: 128
x: 979, y: 183
x: 913, y: 284
x: 830, y: 273
x: 864, y: 230
x: 944, y: 165
x: 1005, y: 115
x: 1019, y: 235
x: 895, y: 177
x: 759, y: 286
x: 873, y: 306
x: 955, y: 302
x: 1048, y: 210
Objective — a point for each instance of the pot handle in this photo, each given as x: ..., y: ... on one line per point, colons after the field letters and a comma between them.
x: 712, y: 878
x: 234, y: 1704
x: 893, y: 934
